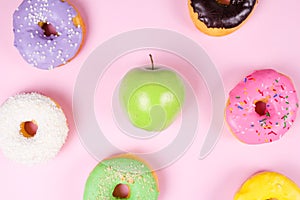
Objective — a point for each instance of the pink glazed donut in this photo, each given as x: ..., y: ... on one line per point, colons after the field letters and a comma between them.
x: 262, y: 107
x: 48, y: 33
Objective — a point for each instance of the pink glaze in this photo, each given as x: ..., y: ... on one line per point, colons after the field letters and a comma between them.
x: 281, y: 104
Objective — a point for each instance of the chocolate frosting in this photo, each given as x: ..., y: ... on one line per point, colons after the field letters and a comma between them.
x: 216, y: 15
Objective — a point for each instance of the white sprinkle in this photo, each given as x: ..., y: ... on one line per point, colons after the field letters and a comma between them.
x: 50, y: 67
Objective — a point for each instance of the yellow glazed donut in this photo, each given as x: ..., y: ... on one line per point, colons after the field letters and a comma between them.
x: 268, y: 186
x: 33, y: 128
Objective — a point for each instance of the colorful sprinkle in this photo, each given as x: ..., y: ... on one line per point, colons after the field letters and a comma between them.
x: 240, y: 107
x: 260, y: 92
x: 278, y: 93
x: 272, y: 132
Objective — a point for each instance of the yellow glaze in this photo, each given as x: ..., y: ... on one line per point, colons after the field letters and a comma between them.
x: 268, y: 186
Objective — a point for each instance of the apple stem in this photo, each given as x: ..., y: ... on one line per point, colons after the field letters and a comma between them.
x: 152, y: 64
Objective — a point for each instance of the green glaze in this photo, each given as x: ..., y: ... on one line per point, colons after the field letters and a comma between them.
x: 152, y: 97
x: 109, y: 173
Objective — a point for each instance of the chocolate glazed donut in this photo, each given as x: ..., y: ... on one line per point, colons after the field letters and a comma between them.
x: 215, y: 18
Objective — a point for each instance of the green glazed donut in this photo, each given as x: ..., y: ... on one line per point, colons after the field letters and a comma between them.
x: 128, y: 171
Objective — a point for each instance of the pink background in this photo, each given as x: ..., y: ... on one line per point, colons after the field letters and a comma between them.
x: 269, y: 39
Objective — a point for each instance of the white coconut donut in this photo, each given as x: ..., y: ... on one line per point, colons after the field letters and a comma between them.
x: 25, y: 145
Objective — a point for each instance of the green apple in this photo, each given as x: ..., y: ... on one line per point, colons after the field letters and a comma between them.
x: 152, y: 96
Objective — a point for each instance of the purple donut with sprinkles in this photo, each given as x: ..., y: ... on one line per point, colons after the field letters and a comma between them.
x: 47, y: 33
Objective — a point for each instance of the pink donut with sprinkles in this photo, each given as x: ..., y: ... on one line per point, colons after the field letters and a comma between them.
x: 262, y: 107
x: 47, y: 33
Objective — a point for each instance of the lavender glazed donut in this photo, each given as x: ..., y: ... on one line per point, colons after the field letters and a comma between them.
x: 48, y: 33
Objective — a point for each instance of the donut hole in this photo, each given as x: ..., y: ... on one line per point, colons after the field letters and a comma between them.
x: 260, y: 108
x: 121, y: 191
x: 223, y: 2
x: 48, y: 29
x: 28, y: 129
